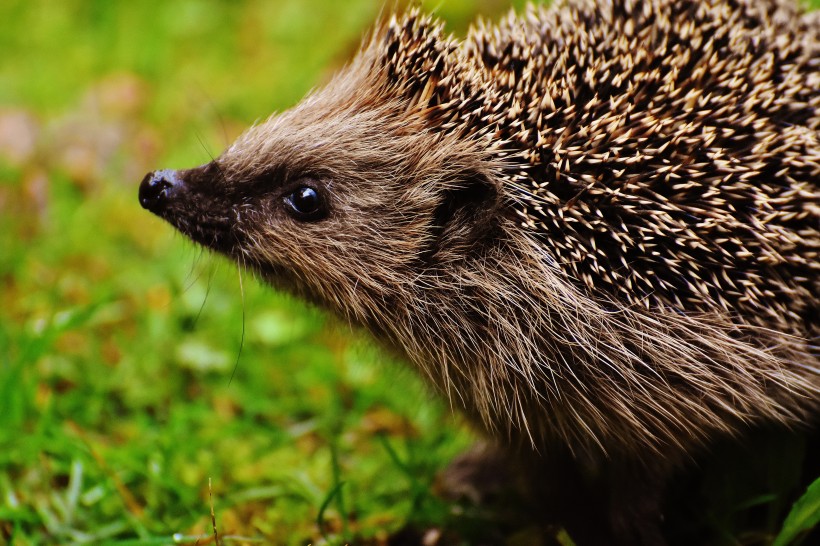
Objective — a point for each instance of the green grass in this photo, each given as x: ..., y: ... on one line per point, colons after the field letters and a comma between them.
x: 133, y: 369
x: 118, y: 339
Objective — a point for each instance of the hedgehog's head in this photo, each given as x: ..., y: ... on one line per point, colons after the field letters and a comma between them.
x: 346, y: 198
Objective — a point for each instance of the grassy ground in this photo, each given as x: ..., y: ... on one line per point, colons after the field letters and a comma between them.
x: 123, y: 393
x: 136, y: 387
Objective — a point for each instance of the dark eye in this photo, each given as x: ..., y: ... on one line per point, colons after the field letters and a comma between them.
x: 305, y: 204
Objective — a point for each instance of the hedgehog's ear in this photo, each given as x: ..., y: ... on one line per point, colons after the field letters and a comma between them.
x: 467, y: 211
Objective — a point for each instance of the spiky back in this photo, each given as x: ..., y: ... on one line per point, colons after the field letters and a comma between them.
x: 665, y: 152
x: 659, y: 161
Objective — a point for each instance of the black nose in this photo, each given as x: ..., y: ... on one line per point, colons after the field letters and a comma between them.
x: 157, y: 188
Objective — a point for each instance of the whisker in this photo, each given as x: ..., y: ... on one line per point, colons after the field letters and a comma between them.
x: 207, y: 293
x: 242, y: 338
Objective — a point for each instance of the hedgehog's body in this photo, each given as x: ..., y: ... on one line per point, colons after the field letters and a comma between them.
x: 593, y: 227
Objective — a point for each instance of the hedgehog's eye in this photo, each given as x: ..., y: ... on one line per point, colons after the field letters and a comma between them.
x: 305, y: 204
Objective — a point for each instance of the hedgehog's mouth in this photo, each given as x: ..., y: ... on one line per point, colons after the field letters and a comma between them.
x: 206, y: 219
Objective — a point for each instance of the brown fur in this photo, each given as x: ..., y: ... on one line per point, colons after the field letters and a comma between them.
x: 591, y: 227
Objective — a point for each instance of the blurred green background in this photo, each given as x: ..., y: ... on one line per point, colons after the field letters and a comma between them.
x: 118, y: 338
x: 134, y: 371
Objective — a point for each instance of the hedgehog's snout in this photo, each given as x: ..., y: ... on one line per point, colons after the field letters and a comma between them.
x: 158, y: 188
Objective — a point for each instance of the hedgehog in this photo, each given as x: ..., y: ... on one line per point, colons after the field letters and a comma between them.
x: 593, y: 227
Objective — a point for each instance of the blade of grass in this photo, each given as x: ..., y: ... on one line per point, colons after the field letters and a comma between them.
x: 804, y: 515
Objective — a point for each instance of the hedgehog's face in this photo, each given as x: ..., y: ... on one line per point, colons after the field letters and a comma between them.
x: 346, y: 208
